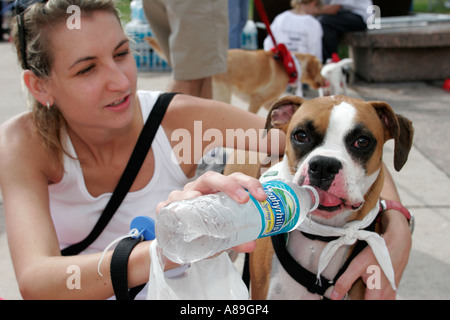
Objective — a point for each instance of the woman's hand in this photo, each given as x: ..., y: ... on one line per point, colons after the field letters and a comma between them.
x: 397, y: 235
x: 398, y: 240
x: 234, y: 185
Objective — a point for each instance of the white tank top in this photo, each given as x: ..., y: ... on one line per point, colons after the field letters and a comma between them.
x: 75, y: 211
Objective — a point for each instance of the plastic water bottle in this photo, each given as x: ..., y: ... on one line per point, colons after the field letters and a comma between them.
x: 137, y: 11
x: 138, y: 29
x: 249, y: 36
x: 197, y: 228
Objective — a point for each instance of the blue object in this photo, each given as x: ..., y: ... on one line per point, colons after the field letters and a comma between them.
x: 145, y: 225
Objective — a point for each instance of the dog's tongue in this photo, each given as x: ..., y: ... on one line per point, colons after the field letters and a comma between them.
x: 328, y: 200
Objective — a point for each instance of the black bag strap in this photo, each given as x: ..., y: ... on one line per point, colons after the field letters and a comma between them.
x: 119, y: 269
x: 131, y: 170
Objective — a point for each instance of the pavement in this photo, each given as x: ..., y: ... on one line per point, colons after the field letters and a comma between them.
x: 423, y: 183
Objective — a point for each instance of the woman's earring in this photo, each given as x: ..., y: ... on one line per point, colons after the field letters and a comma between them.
x: 48, y: 105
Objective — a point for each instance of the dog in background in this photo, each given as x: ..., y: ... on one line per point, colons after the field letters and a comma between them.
x: 257, y: 76
x: 335, y: 78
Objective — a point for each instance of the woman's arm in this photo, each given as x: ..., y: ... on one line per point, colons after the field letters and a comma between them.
x: 41, y: 271
x: 194, y: 126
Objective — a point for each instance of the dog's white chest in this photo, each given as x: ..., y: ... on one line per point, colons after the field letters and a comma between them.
x: 307, y: 253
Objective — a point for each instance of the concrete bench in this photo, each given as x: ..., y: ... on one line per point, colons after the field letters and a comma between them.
x: 404, y: 49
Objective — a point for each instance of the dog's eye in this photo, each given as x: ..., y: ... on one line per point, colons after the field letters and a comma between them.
x: 361, y: 142
x: 301, y: 136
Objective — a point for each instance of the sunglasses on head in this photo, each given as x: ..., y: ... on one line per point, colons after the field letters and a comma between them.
x: 19, y: 8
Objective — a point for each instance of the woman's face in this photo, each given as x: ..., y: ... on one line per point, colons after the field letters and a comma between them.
x: 94, y: 75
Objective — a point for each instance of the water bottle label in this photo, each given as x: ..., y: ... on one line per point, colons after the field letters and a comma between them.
x: 280, y: 211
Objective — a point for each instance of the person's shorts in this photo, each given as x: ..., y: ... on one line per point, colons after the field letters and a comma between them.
x: 193, y: 34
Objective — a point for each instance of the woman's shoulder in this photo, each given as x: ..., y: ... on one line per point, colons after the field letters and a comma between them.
x: 20, y: 141
x: 17, y: 130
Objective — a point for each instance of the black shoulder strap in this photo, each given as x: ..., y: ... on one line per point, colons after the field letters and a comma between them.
x: 134, y: 164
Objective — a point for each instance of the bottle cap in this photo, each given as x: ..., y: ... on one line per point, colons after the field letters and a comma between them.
x: 145, y: 225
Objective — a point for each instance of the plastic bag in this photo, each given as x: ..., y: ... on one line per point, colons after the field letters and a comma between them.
x: 209, y: 279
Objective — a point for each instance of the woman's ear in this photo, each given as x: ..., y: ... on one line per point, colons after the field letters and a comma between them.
x: 38, y: 87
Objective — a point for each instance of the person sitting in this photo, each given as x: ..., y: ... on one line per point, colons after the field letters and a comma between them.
x: 339, y: 16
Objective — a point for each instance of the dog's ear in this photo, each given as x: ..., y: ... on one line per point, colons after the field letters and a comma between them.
x: 282, y: 111
x: 396, y: 127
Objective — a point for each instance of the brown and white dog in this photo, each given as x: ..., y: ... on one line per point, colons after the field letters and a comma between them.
x: 334, y: 144
x: 257, y: 77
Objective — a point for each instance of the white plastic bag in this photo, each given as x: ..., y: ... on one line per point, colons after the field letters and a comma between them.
x: 210, y: 279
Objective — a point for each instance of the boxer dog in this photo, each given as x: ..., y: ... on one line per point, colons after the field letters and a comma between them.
x: 335, y: 78
x: 334, y: 144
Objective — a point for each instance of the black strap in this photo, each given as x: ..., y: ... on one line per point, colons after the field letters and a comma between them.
x: 134, y: 164
x: 320, y: 238
x: 246, y: 270
x: 295, y: 270
x: 304, y: 276
x: 119, y: 269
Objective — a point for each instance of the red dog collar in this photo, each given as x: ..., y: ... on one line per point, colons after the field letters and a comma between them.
x: 284, y: 55
x: 394, y: 205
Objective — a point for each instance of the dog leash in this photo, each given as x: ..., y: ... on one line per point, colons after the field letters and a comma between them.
x: 280, y: 50
x: 262, y: 14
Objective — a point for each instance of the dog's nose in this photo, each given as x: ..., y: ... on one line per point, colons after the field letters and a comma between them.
x: 322, y: 171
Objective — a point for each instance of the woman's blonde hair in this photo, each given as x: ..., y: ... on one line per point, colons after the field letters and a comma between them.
x: 32, y: 42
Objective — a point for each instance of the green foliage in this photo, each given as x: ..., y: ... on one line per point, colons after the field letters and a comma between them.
x: 436, y: 6
x: 124, y: 8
